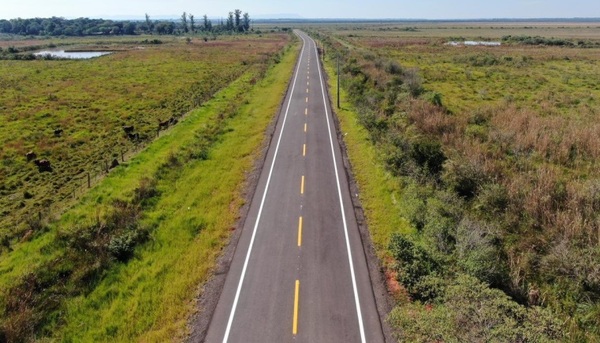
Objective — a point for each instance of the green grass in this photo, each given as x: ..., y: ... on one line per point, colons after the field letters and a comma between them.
x: 418, y: 31
x: 150, y: 297
x: 90, y: 100
x: 380, y: 192
x: 529, y: 77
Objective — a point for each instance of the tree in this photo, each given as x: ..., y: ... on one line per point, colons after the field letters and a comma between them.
x: 129, y: 28
x: 238, y: 21
x: 192, y: 28
x: 149, y: 25
x: 230, y: 23
x: 34, y: 28
x: 207, y: 23
x: 5, y: 26
x: 246, y: 22
x: 184, y: 22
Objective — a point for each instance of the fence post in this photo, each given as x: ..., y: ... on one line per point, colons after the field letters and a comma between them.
x: 89, y: 180
x: 122, y: 156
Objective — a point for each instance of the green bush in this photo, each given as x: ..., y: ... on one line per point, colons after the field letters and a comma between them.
x: 479, y: 254
x: 413, y: 261
x: 428, y: 155
x: 492, y: 200
x: 444, y: 212
x: 472, y: 312
x: 393, y: 68
x: 464, y: 177
x: 412, y: 82
x: 414, y: 204
x: 478, y: 132
x: 398, y: 160
x: 430, y: 288
x: 434, y: 98
x: 146, y: 191
x: 123, y: 246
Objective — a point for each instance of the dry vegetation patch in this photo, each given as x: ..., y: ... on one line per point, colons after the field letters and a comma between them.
x: 496, y: 148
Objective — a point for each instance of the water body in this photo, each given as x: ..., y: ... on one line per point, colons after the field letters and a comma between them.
x: 474, y: 43
x: 72, y: 55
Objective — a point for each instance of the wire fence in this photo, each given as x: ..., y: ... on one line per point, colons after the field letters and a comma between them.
x: 80, y: 184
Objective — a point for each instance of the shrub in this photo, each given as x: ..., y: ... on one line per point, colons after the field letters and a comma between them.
x: 414, y: 263
x: 428, y: 155
x: 480, y: 117
x: 123, y: 246
x: 492, y: 199
x: 472, y: 312
x: 478, y: 252
x: 464, y: 177
x: 574, y: 265
x: 414, y: 204
x: 430, y: 288
x: 444, y: 212
x: 478, y: 132
x: 199, y: 152
x: 146, y: 191
x: 412, y: 82
x: 398, y: 160
x: 434, y: 98
x: 393, y: 68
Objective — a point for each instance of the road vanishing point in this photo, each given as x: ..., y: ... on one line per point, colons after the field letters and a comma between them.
x: 299, y: 272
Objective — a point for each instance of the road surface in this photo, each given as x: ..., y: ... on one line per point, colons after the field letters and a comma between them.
x: 299, y: 273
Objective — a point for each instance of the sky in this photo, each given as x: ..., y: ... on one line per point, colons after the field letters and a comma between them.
x: 363, y: 9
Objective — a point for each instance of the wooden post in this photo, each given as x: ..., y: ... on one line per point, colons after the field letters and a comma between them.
x: 89, y: 180
x: 122, y: 156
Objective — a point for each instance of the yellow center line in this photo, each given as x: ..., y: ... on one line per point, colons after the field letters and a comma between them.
x: 302, y: 185
x: 306, y: 111
x: 304, y: 150
x: 306, y: 90
x: 296, y: 298
x: 304, y: 127
x: 300, y: 232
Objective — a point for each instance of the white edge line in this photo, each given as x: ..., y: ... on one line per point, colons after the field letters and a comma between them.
x: 337, y: 179
x: 239, y: 288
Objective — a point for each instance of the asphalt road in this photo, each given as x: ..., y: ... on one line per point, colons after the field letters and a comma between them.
x: 299, y: 273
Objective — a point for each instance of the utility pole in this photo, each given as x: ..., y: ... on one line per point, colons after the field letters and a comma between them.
x: 338, y: 80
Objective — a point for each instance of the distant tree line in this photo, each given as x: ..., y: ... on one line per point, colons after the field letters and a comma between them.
x: 236, y: 21
x: 550, y: 41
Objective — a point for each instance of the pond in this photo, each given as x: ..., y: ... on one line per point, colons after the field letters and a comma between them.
x: 72, y: 54
x: 473, y: 43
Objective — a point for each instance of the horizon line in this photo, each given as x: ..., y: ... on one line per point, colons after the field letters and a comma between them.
x: 339, y: 19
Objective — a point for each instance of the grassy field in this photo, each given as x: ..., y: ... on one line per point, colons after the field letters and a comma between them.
x: 126, y: 262
x: 438, y: 31
x: 477, y: 171
x: 90, y: 101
